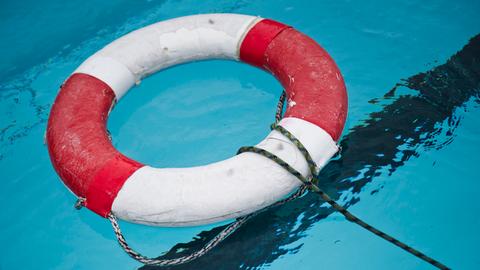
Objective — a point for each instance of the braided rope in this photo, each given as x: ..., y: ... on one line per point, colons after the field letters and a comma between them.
x: 280, y: 105
x: 222, y: 235
x: 171, y: 262
x: 310, y: 184
x: 311, y: 164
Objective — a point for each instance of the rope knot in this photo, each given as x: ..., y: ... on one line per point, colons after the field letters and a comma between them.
x: 80, y: 203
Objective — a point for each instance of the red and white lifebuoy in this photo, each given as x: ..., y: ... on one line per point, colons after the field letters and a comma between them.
x: 83, y: 156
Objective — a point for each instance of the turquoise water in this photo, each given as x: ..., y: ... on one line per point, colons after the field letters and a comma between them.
x: 409, y: 164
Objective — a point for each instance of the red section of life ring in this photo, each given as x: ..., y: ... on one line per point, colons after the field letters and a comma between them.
x: 300, y: 64
x: 79, y: 146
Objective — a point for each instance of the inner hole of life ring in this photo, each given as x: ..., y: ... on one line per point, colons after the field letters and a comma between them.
x: 195, y: 114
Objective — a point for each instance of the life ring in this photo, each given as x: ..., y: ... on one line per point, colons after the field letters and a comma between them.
x: 89, y: 165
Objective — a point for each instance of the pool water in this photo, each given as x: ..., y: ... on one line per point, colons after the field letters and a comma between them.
x: 410, y: 145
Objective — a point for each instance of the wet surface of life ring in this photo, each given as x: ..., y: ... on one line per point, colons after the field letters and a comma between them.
x: 109, y: 182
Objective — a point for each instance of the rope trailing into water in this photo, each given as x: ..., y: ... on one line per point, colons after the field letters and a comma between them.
x: 308, y: 184
x: 311, y: 185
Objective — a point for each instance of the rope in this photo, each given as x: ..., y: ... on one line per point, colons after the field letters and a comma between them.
x: 280, y: 105
x: 308, y: 184
x: 222, y: 235
x: 311, y: 185
x: 171, y: 262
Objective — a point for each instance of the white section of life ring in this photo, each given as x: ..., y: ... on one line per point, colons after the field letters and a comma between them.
x: 226, y: 189
x: 140, y: 53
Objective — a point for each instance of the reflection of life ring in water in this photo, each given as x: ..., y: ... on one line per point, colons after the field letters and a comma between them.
x: 93, y: 169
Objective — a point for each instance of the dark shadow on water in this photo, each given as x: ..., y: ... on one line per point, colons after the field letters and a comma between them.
x: 423, y: 117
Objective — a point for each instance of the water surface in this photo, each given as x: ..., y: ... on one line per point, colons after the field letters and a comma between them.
x: 409, y: 162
